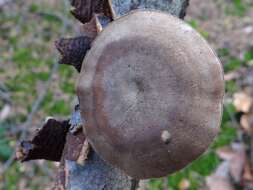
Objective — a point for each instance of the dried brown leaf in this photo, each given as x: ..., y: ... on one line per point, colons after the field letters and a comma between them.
x: 219, y: 183
x: 236, y: 158
x: 237, y: 165
x: 220, y: 179
x: 247, y: 173
x: 184, y: 184
x: 246, y: 122
x: 243, y: 102
x: 225, y: 153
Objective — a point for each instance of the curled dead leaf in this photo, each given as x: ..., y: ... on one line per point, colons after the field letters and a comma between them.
x: 237, y: 165
x: 184, y: 184
x: 220, y: 179
x: 225, y: 153
x: 219, y: 183
x: 247, y: 173
x: 236, y: 158
x: 243, y: 102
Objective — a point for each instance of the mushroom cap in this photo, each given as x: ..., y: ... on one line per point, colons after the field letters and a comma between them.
x: 151, y: 92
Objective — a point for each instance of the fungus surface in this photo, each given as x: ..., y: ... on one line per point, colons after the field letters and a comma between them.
x: 151, y: 92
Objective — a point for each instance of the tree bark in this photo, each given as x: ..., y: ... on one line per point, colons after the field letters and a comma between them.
x: 80, y: 167
x: 96, y: 174
x: 174, y: 7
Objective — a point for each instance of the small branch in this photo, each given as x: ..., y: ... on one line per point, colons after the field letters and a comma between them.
x: 165, y: 183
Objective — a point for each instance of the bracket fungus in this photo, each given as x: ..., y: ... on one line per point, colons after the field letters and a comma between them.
x: 151, y: 92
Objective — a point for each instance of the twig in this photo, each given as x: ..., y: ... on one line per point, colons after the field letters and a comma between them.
x: 4, y: 95
x: 233, y: 75
x: 165, y: 184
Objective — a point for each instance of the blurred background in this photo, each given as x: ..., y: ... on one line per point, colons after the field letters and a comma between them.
x: 33, y: 86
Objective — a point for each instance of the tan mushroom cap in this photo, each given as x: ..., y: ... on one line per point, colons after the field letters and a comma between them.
x: 151, y: 93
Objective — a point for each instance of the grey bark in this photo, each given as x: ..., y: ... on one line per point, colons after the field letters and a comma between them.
x: 96, y: 174
x: 174, y: 7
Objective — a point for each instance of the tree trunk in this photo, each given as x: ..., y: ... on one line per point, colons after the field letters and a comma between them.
x: 96, y: 174
x: 81, y: 168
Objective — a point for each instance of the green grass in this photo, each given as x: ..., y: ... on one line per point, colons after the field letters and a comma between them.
x: 237, y: 8
x: 5, y: 148
x: 27, y: 35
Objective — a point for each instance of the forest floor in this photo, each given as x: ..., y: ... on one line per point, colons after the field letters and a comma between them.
x: 33, y: 86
